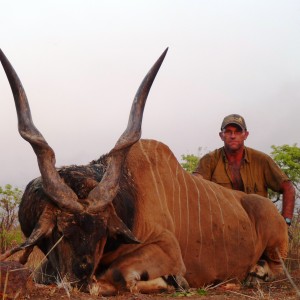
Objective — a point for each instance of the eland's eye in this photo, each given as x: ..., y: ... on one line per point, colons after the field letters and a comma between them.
x: 71, y: 231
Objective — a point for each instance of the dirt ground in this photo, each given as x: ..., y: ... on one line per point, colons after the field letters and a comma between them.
x: 281, y: 289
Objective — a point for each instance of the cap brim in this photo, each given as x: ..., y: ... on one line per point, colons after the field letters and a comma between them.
x: 235, y: 123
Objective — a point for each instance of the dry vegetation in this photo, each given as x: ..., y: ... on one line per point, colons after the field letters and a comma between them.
x: 285, y: 287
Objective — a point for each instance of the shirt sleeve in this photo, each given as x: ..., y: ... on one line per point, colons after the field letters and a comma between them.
x: 204, y: 167
x: 274, y: 176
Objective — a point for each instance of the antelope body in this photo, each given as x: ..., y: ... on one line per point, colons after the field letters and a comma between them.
x: 135, y: 220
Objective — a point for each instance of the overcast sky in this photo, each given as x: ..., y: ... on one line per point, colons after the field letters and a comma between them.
x: 82, y: 61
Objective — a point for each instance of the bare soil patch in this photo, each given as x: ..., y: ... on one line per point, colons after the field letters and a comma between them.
x: 279, y: 289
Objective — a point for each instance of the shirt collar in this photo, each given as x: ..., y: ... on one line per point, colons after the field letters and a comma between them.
x: 246, y: 155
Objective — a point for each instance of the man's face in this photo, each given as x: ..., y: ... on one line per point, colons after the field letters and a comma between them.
x: 233, y: 137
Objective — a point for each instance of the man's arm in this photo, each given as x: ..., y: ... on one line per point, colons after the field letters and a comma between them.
x: 203, y: 169
x: 288, y: 201
x: 278, y: 181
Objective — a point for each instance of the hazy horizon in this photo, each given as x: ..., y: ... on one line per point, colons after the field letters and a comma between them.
x: 81, y: 63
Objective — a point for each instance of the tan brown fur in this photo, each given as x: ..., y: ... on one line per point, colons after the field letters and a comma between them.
x: 221, y: 233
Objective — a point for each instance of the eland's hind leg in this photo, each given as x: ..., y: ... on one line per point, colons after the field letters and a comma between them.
x: 271, y: 237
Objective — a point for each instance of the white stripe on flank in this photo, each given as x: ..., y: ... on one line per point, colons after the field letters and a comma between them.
x: 249, y: 221
x: 211, y: 222
x: 152, y: 173
x: 184, y: 173
x: 199, y: 216
x: 179, y: 202
x: 233, y: 208
x: 171, y: 176
x: 223, y: 227
x: 165, y: 208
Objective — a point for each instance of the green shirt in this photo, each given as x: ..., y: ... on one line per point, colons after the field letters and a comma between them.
x: 258, y: 171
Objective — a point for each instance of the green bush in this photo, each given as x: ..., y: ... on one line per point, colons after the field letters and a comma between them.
x: 10, y: 233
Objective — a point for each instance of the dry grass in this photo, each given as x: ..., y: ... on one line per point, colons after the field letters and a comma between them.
x: 293, y: 260
x: 259, y: 292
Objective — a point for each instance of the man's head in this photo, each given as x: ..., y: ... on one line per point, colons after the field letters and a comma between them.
x: 233, y: 132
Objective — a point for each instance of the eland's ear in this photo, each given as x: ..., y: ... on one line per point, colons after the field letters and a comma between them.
x: 42, y: 229
x: 118, y: 230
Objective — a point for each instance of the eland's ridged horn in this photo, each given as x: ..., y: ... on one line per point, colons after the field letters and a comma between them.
x: 107, y: 189
x: 53, y: 185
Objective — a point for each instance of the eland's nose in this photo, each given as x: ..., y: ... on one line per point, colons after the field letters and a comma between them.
x: 83, y: 269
